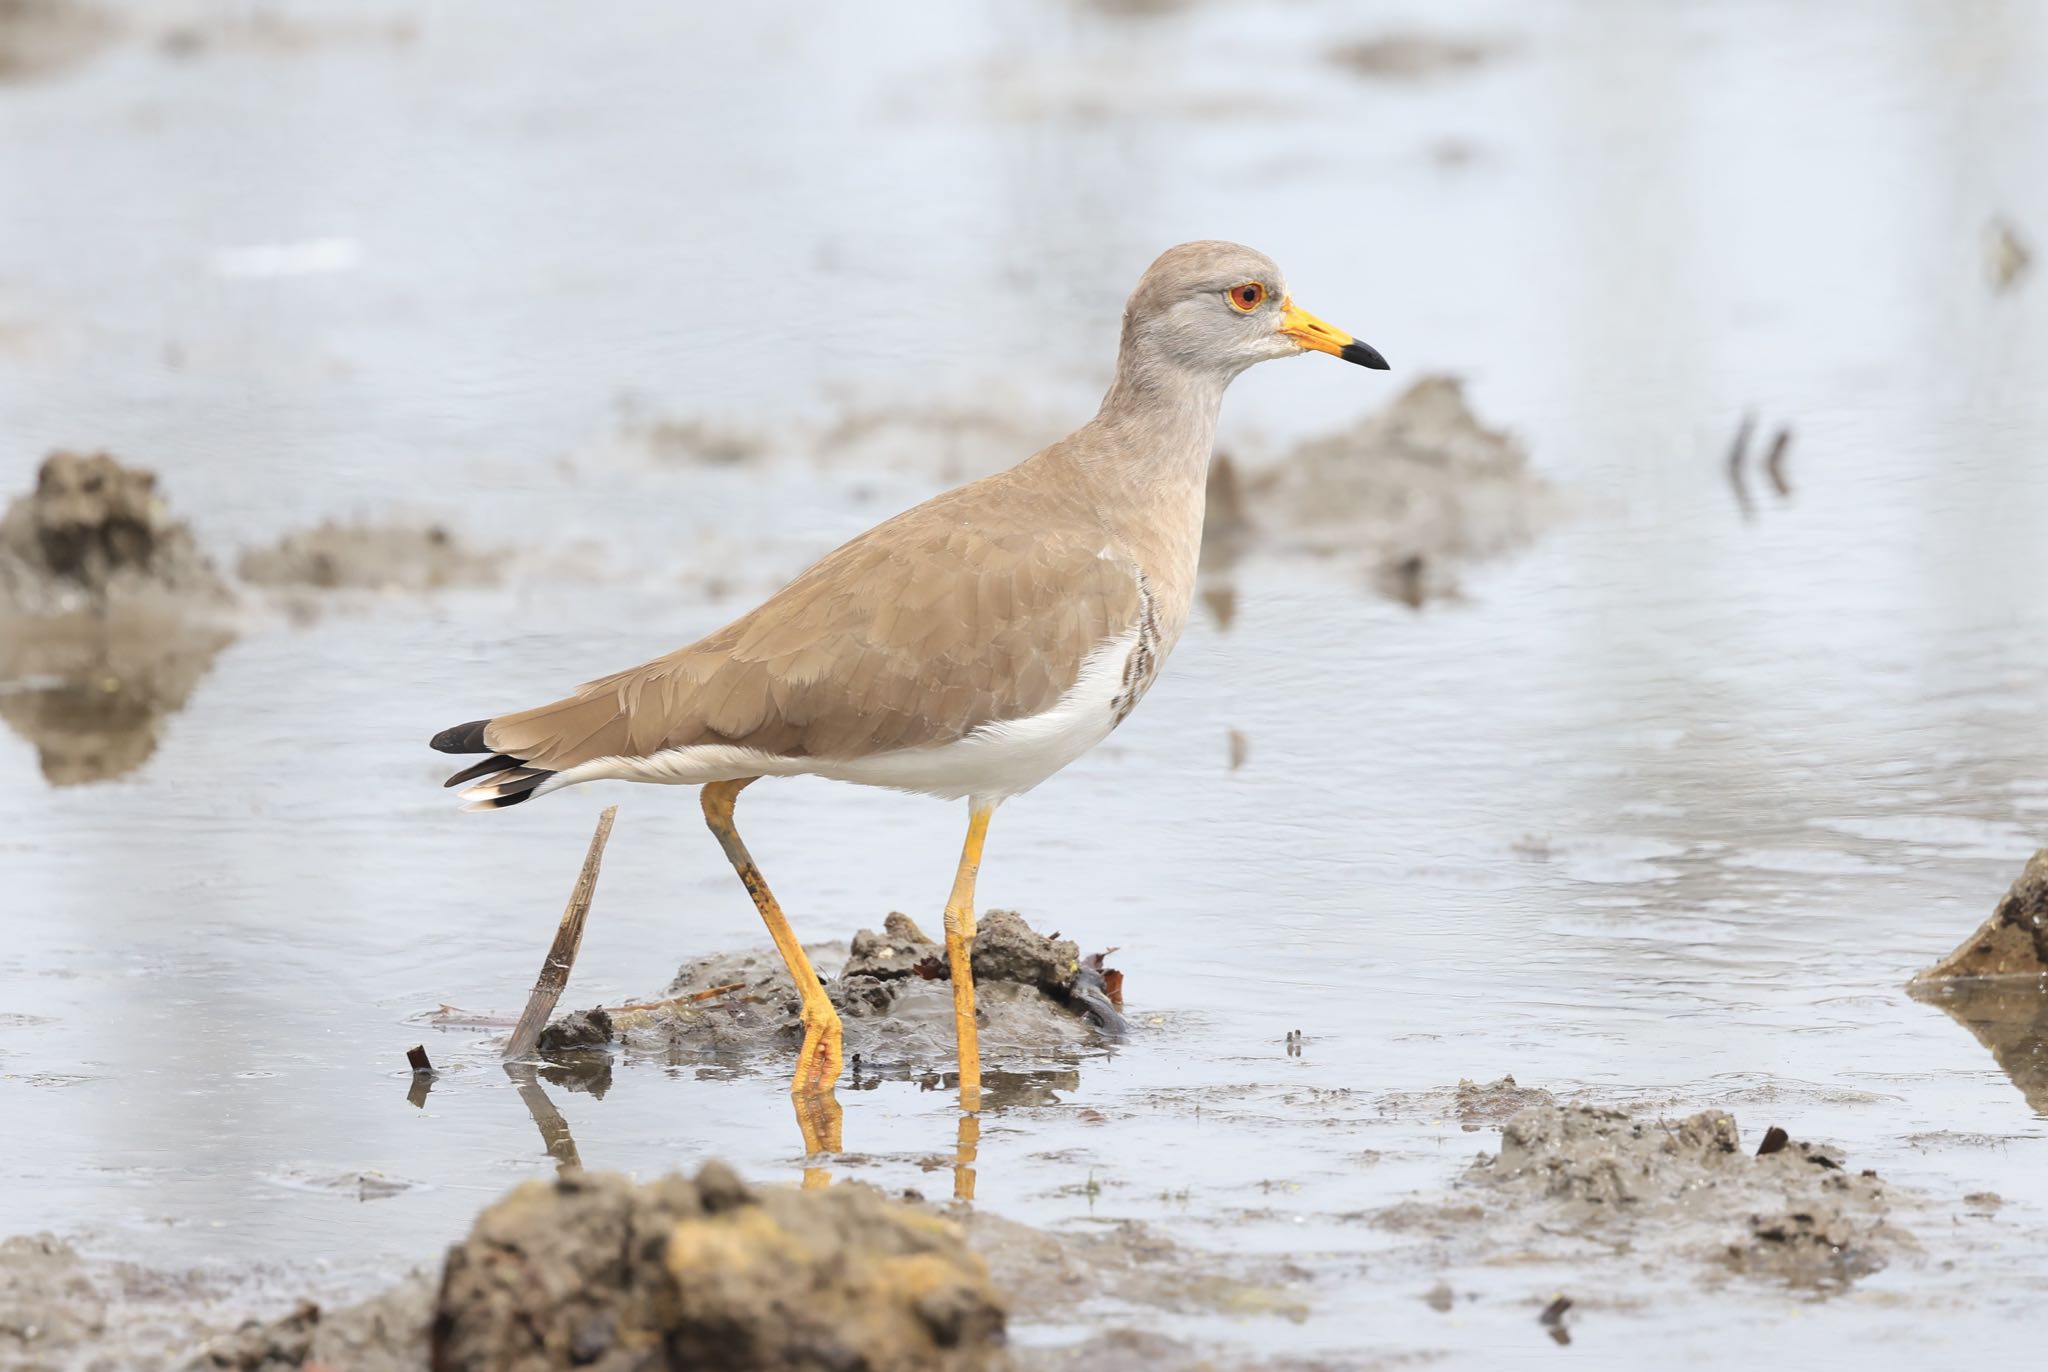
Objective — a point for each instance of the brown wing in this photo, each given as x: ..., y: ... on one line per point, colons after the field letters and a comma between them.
x: 914, y: 634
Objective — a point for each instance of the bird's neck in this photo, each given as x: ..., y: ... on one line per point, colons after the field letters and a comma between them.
x: 1157, y: 427
x: 1145, y: 459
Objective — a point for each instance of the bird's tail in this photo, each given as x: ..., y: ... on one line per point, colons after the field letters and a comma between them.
x: 499, y: 780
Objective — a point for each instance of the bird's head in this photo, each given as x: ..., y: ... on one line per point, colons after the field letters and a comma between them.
x: 1215, y: 307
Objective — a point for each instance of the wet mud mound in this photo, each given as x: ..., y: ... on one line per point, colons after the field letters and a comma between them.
x: 1034, y: 995
x: 593, y: 1271
x: 2011, y: 946
x: 1412, y: 492
x: 110, y: 615
x: 1683, y: 1190
x: 370, y: 557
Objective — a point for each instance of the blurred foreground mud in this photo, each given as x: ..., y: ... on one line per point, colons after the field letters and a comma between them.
x: 110, y: 614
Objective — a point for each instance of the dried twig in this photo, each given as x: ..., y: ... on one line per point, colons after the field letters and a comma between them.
x: 554, y: 973
x: 691, y: 999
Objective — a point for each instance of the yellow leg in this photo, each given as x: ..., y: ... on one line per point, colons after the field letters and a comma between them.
x: 960, y: 954
x: 818, y: 1115
x: 966, y: 1144
x: 817, y: 1063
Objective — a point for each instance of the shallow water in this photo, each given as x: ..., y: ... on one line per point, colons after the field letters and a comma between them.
x: 1664, y: 811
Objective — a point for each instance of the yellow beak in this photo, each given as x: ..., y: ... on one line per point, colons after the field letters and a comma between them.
x: 1311, y: 332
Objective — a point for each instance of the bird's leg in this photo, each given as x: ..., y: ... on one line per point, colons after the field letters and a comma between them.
x: 960, y: 954
x: 817, y: 1063
x: 818, y: 1115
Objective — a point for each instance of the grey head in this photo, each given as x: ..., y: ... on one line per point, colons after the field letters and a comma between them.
x: 1215, y: 308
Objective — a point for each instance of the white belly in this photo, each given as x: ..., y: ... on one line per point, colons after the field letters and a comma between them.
x: 994, y: 762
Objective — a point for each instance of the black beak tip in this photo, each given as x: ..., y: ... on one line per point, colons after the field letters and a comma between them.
x: 1365, y: 355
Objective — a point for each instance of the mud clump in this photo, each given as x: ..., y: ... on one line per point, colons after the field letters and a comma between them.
x: 1794, y: 1215
x: 1034, y: 996
x: 577, y: 1031
x: 593, y: 1271
x: 2010, y: 946
x: 95, y: 531
x: 1008, y: 949
x: 1414, y: 491
x: 370, y: 557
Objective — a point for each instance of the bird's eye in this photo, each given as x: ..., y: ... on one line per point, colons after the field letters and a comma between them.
x: 1247, y: 297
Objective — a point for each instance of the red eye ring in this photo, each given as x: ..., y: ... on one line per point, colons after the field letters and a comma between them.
x: 1246, y: 297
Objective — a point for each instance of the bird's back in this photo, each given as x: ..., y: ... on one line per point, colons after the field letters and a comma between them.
x: 975, y: 608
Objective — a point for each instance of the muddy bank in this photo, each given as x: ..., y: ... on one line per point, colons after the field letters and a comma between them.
x: 1035, y: 995
x: 359, y: 556
x: 1410, y: 494
x: 591, y: 1270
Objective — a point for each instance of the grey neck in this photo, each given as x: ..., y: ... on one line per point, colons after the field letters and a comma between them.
x: 1156, y: 427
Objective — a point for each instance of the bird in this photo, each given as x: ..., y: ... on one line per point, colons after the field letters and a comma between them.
x: 966, y: 649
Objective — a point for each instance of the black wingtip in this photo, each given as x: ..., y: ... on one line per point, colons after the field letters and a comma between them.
x: 496, y: 763
x: 463, y: 738
x: 1365, y: 355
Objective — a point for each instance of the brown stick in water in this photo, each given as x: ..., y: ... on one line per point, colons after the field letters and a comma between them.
x: 554, y: 973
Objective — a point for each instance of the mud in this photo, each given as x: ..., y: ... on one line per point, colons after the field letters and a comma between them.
x: 1413, y: 492
x: 41, y: 38
x: 591, y: 1270
x: 2011, y: 946
x: 1573, y: 1182
x: 371, y: 557
x: 1414, y: 57
x: 1034, y: 995
x: 694, y: 441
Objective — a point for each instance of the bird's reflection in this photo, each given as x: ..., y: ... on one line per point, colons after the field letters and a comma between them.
x: 2011, y: 1021
x: 820, y: 1117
